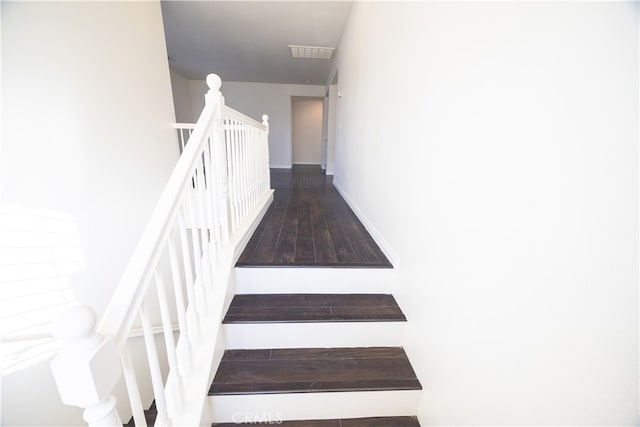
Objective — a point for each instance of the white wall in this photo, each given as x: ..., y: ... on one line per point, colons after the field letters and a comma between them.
x: 256, y: 99
x: 197, y: 89
x: 181, y: 92
x: 87, y: 110
x: 306, y: 131
x: 495, y: 147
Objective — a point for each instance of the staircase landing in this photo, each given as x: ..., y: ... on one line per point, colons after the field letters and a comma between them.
x: 309, y: 224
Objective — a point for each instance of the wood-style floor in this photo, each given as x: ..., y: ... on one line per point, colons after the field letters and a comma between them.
x: 351, y: 422
x: 308, y: 370
x: 310, y: 224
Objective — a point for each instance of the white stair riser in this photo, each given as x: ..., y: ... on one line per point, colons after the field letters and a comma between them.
x: 310, y: 406
x: 318, y: 335
x: 313, y: 280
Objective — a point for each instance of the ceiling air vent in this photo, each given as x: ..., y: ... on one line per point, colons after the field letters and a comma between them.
x: 313, y: 52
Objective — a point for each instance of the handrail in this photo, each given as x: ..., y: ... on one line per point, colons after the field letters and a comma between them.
x: 216, y: 193
x: 120, y: 314
x: 183, y: 125
x: 230, y: 112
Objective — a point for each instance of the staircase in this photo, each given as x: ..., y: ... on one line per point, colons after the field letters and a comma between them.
x: 304, y: 357
x: 303, y: 331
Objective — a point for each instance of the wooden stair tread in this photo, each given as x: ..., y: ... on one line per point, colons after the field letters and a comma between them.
x: 306, y: 370
x: 351, y: 422
x: 150, y: 416
x: 298, y: 308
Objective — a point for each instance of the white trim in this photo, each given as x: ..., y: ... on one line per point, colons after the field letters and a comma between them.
x: 377, y: 236
x: 280, y: 166
x: 308, y: 163
x: 330, y: 172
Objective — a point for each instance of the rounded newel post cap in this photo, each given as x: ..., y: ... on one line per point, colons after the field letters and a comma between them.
x: 265, y: 118
x: 214, y: 81
x: 75, y: 324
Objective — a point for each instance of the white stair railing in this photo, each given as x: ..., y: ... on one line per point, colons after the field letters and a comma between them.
x: 184, y: 133
x: 177, y: 278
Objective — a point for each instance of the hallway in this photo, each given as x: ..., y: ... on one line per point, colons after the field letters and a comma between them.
x: 310, y: 224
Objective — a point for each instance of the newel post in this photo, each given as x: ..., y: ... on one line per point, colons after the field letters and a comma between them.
x: 87, y: 367
x: 214, y: 96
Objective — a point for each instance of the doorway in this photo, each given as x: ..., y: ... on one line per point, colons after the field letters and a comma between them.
x: 306, y: 130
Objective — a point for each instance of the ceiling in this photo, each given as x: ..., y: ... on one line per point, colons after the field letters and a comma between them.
x: 248, y: 40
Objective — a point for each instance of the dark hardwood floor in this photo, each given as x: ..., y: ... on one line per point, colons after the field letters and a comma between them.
x: 310, y: 224
x: 350, y: 422
x: 308, y: 370
x: 298, y: 308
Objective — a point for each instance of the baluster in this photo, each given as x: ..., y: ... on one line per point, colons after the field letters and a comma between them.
x: 228, y: 136
x: 192, y: 305
x: 247, y: 172
x: 211, y: 207
x: 261, y: 161
x: 87, y: 367
x: 256, y: 166
x: 214, y: 199
x: 243, y: 172
x: 137, y: 407
x: 184, y: 342
x: 182, y: 143
x: 162, y: 418
x: 249, y: 169
x: 174, y: 379
x: 198, y: 282
x: 265, y: 147
x: 258, y: 169
x: 252, y: 166
x: 202, y: 215
x: 217, y: 137
x: 236, y: 174
x: 247, y: 163
x: 233, y: 172
x: 227, y: 146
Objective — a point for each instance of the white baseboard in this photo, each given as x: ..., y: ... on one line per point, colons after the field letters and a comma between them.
x: 307, y: 163
x: 280, y: 166
x: 377, y: 236
x: 330, y: 172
